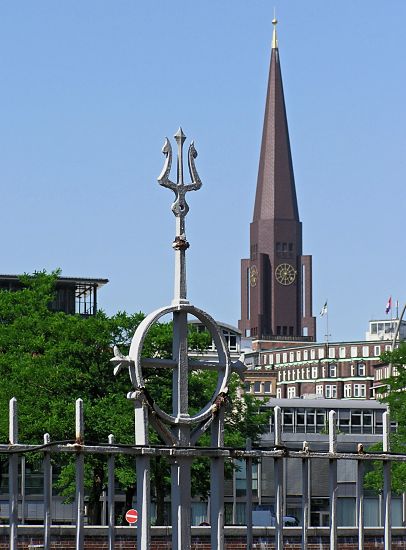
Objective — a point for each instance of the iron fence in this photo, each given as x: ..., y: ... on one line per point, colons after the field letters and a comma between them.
x: 79, y: 449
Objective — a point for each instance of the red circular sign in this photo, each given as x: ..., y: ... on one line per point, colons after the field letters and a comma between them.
x: 132, y: 516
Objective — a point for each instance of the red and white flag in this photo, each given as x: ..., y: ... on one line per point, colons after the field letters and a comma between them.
x: 388, y: 305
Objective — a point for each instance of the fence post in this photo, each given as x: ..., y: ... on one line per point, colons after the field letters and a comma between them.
x: 305, y: 497
x: 387, y: 493
x: 13, y: 474
x: 80, y: 474
x: 332, y: 434
x: 47, y: 495
x: 110, y: 495
x: 217, y: 484
x: 248, y: 509
x: 143, y: 475
x: 278, y: 474
x: 360, y: 503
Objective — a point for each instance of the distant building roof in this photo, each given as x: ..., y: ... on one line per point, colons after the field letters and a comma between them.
x: 78, y: 280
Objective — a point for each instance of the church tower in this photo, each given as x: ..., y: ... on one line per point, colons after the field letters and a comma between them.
x: 276, y: 281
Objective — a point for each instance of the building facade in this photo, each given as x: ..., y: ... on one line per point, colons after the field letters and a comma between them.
x: 276, y: 280
x: 335, y: 370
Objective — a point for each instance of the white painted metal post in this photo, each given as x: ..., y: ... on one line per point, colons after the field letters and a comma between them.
x: 13, y: 475
x: 110, y: 495
x: 47, y: 495
x: 181, y: 468
x: 387, y: 492
x: 80, y: 472
x: 305, y: 501
x: 248, y: 506
x: 22, y: 466
x: 217, y: 484
x: 278, y: 476
x: 332, y: 432
x: 360, y: 503
x: 143, y: 476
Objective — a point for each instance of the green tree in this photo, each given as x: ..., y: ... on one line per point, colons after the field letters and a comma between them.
x: 48, y: 360
x: 394, y: 394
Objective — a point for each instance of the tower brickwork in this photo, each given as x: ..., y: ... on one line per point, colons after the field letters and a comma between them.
x: 276, y: 280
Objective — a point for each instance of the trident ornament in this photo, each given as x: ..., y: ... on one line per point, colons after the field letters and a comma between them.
x: 180, y: 207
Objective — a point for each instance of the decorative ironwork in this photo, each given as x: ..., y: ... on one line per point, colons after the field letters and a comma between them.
x: 179, y: 428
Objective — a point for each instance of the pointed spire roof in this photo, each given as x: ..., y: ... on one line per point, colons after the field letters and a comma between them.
x: 276, y: 194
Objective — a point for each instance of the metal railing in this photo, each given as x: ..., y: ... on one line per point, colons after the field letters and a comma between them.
x: 80, y: 450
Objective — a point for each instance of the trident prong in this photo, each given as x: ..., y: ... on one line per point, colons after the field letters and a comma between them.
x: 179, y: 207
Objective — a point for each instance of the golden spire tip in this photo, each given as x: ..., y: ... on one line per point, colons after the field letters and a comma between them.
x: 274, y: 36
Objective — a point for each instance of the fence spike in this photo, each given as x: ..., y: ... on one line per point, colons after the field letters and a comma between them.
x: 13, y: 422
x: 332, y: 431
x: 80, y: 425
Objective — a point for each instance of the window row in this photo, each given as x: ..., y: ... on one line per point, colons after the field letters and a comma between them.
x: 323, y: 371
x: 320, y: 353
x: 308, y: 420
x: 258, y: 387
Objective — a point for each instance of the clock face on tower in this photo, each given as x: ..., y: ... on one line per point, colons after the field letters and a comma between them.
x: 253, y: 275
x: 285, y: 274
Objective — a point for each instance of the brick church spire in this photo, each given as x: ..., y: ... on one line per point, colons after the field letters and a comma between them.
x: 276, y: 193
x: 276, y: 281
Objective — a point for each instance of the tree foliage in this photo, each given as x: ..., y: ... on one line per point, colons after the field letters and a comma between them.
x: 394, y: 394
x: 48, y: 360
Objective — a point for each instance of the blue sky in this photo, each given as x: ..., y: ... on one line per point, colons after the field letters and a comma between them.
x: 90, y: 89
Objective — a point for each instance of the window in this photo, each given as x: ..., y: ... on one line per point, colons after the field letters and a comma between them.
x: 313, y: 354
x: 271, y: 359
x: 388, y: 347
x: 308, y: 373
x: 353, y: 351
x: 365, y: 351
x: 361, y: 369
x: 257, y: 387
x: 247, y: 387
x: 319, y: 389
x: 314, y: 372
x: 293, y: 375
x: 342, y: 352
x: 285, y: 358
x: 305, y: 355
x: 331, y: 353
x: 279, y: 393
x: 377, y: 351
x: 291, y: 356
x: 347, y: 390
x: 332, y: 370
x: 298, y: 356
x: 359, y: 390
x: 288, y: 374
x: 321, y: 353
x: 330, y: 391
x: 291, y: 392
x: 284, y: 375
x: 287, y: 418
x: 267, y: 387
